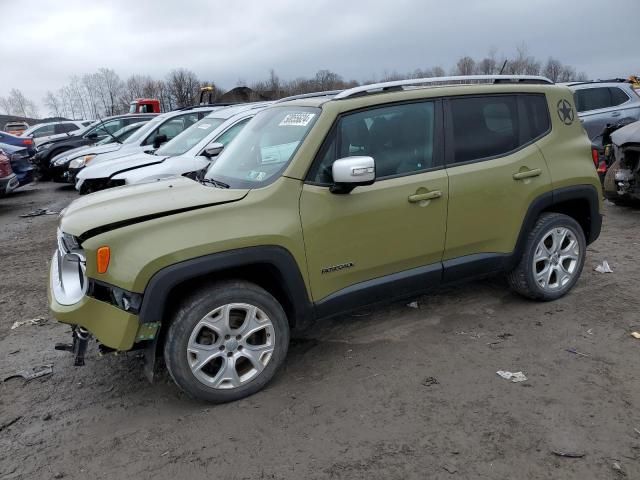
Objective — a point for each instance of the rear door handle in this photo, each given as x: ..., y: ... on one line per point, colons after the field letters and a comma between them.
x: 420, y: 197
x: 527, y: 174
x: 615, y: 114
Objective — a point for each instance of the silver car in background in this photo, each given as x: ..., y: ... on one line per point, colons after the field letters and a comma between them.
x: 602, y: 103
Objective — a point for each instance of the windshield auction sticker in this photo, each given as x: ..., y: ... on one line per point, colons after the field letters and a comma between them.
x: 299, y: 119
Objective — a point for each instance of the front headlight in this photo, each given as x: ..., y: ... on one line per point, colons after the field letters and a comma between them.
x: 61, y: 161
x: 82, y: 161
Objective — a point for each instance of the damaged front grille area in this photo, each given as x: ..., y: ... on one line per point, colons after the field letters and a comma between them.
x: 68, y: 270
x: 627, y: 176
x: 123, y: 299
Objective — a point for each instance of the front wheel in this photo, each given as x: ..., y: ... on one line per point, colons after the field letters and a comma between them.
x: 226, y: 341
x: 553, y: 258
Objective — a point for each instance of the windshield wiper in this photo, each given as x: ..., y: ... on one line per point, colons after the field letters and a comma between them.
x: 215, y: 183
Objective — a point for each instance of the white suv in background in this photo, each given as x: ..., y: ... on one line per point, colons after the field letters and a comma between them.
x: 191, y: 151
x: 43, y: 132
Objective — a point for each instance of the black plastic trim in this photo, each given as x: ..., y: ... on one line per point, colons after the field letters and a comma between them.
x: 474, y: 266
x: 388, y: 288
x: 292, y: 283
x: 113, y: 295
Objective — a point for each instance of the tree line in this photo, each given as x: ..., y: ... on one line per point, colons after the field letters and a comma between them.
x: 104, y: 93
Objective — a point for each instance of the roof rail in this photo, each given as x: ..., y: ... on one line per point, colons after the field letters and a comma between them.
x: 436, y: 81
x: 309, y: 95
x: 218, y: 104
x: 610, y: 80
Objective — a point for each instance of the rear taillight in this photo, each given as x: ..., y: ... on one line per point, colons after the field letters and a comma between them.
x: 595, y: 157
x: 27, y: 141
x: 602, y: 167
x: 5, y: 167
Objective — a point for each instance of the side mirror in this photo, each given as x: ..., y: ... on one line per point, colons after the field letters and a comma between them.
x: 92, y: 136
x: 213, y: 150
x: 351, y: 172
x: 159, y: 140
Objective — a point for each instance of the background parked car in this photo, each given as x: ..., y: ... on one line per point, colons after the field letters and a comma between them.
x: 8, y: 179
x: 20, y: 164
x: 190, y: 152
x: 60, y: 163
x: 622, y: 182
x: 42, y: 132
x: 605, y: 102
x: 24, y: 142
x: 15, y: 128
x: 157, y: 132
x: 96, y: 132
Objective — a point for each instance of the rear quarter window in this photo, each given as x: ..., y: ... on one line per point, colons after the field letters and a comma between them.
x: 618, y: 97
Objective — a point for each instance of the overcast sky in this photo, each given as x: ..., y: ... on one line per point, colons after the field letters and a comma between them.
x: 46, y: 41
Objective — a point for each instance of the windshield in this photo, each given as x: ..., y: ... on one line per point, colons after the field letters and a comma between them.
x: 263, y: 149
x: 190, y: 137
x: 142, y: 132
x: 122, y: 134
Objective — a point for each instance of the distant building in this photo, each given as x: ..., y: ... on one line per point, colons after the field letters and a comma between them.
x: 245, y: 94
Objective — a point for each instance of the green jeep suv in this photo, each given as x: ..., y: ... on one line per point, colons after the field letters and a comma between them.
x: 326, y: 203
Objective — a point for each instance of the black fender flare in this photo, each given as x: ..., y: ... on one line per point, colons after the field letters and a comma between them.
x: 276, y: 258
x: 546, y: 202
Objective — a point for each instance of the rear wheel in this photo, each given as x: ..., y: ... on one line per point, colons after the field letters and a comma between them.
x: 226, y: 341
x: 552, y: 260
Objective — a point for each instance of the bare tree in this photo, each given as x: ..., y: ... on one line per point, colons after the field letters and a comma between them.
x: 465, y: 66
x: 184, y: 87
x: 53, y: 104
x: 109, y: 90
x: 20, y: 105
x: 5, y: 105
x: 552, y: 69
x: 164, y: 95
x: 328, y: 80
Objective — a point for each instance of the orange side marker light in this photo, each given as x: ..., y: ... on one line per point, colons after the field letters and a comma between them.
x: 103, y: 255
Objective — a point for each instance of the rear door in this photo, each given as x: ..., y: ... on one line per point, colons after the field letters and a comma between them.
x: 381, y: 234
x: 495, y: 171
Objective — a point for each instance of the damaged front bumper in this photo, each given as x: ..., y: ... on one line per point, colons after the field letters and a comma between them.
x: 111, y: 325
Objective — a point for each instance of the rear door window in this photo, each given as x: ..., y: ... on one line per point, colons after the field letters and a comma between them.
x: 588, y: 99
x: 66, y: 127
x: 483, y: 127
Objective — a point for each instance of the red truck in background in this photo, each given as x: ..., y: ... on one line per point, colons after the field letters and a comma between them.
x: 144, y: 105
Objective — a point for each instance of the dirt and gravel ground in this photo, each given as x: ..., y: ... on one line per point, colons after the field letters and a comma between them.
x: 396, y: 393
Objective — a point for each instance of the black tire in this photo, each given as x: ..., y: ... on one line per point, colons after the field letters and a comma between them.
x: 195, y: 308
x: 522, y: 278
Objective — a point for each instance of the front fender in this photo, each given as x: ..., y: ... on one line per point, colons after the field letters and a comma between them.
x: 276, y: 258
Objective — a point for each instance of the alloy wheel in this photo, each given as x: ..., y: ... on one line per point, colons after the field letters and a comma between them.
x: 556, y: 259
x: 231, y: 345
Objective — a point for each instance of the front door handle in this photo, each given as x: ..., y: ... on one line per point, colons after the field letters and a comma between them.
x: 527, y: 174
x: 615, y: 114
x: 420, y: 197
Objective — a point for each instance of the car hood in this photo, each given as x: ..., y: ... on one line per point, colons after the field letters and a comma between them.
x: 105, y: 169
x: 627, y: 134
x: 124, y: 150
x: 86, y: 150
x: 122, y: 206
